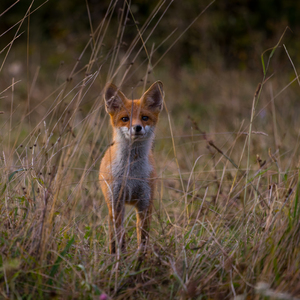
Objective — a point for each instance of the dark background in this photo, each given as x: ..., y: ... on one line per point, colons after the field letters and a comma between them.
x: 233, y: 33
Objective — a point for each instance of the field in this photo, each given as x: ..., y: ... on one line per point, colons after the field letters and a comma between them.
x: 226, y: 218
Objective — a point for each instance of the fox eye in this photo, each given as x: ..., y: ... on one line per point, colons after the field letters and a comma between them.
x: 125, y: 119
x: 145, y: 118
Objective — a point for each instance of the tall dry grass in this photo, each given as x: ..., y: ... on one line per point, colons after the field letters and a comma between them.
x: 226, y: 217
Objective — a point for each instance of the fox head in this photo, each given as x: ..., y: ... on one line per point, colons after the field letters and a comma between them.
x: 134, y: 119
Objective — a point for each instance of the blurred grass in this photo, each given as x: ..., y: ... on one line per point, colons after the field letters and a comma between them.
x: 224, y: 226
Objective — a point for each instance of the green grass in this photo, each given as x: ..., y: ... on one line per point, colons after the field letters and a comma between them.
x: 226, y: 217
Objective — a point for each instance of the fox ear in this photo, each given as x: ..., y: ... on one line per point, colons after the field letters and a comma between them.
x: 114, y: 98
x: 153, y: 98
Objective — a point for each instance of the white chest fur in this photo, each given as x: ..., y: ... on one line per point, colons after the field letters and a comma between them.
x: 131, y: 171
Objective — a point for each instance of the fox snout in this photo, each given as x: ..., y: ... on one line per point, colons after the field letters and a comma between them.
x: 135, y: 131
x: 137, y: 128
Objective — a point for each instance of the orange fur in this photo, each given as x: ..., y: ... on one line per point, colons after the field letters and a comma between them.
x: 127, y: 171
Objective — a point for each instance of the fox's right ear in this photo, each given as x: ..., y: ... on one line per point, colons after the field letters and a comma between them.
x: 114, y: 98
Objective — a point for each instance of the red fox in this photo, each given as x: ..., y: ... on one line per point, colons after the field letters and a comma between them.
x: 127, y: 171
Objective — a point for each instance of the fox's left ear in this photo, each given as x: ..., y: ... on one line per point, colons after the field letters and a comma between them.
x: 153, y: 98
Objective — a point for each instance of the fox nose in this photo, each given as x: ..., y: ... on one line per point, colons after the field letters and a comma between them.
x: 137, y: 128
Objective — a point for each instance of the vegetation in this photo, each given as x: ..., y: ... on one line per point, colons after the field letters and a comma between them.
x: 226, y: 218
